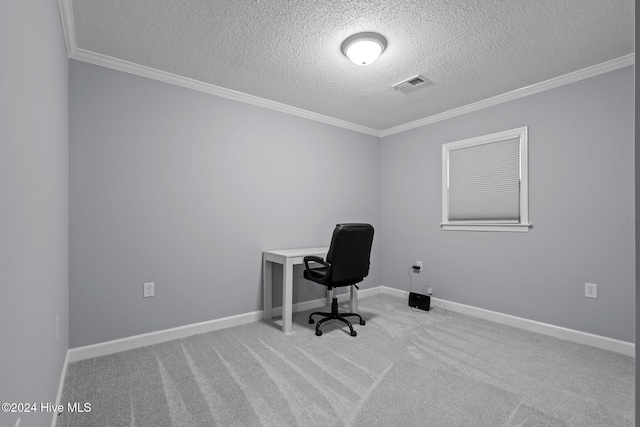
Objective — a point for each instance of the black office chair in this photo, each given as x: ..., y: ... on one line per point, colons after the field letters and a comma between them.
x: 347, y: 263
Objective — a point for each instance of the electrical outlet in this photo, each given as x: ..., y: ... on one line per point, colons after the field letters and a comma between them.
x: 419, y: 264
x: 591, y: 290
x: 429, y: 291
x: 148, y: 289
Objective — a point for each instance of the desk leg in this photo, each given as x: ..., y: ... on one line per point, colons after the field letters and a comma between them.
x: 354, y: 300
x: 267, y: 303
x: 287, y: 296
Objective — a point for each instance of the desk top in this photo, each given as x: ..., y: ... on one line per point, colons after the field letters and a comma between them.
x: 299, y: 252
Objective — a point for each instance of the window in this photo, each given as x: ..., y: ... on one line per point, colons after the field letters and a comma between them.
x: 485, y: 183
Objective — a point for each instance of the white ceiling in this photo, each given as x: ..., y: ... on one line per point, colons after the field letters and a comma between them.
x: 285, y: 54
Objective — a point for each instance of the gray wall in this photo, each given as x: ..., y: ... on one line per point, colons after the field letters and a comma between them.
x: 186, y: 190
x: 637, y: 234
x: 581, y: 157
x: 34, y: 209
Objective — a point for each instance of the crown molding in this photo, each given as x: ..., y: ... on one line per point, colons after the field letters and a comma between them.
x: 163, y: 76
x: 565, y: 79
x: 66, y: 15
x: 74, y: 52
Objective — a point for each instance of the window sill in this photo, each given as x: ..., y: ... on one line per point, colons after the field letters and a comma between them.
x: 522, y: 228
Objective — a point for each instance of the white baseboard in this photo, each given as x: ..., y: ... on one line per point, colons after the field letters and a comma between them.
x: 157, y: 337
x: 393, y: 291
x: 322, y: 302
x: 60, y: 387
x: 598, y: 341
x: 137, y: 341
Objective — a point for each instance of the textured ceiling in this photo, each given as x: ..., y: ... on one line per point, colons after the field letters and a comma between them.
x: 288, y: 51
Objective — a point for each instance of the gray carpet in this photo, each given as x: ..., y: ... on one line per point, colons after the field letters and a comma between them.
x: 405, y: 368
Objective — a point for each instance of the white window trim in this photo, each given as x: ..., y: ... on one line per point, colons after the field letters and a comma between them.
x: 523, y: 225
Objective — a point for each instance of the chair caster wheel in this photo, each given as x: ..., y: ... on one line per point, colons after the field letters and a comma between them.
x: 318, y: 332
x: 362, y: 322
x: 353, y: 333
x: 311, y: 321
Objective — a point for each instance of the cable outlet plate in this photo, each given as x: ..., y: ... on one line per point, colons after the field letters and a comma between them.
x: 148, y: 289
x: 591, y: 290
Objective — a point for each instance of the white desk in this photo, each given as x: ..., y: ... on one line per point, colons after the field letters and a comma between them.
x: 288, y: 258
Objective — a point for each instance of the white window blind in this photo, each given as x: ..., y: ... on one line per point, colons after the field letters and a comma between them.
x: 484, y: 182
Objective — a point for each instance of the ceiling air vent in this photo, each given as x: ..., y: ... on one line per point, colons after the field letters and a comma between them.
x: 411, y: 84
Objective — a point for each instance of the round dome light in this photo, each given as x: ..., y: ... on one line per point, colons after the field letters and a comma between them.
x: 364, y: 48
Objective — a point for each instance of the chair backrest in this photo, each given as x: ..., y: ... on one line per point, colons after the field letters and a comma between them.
x: 350, y: 251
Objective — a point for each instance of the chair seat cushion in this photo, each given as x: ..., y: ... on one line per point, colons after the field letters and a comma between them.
x: 319, y: 275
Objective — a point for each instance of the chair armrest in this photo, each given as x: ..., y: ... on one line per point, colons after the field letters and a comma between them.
x: 314, y: 258
x: 319, y: 275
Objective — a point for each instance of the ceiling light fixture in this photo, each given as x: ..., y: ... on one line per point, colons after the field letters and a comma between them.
x: 364, y: 48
